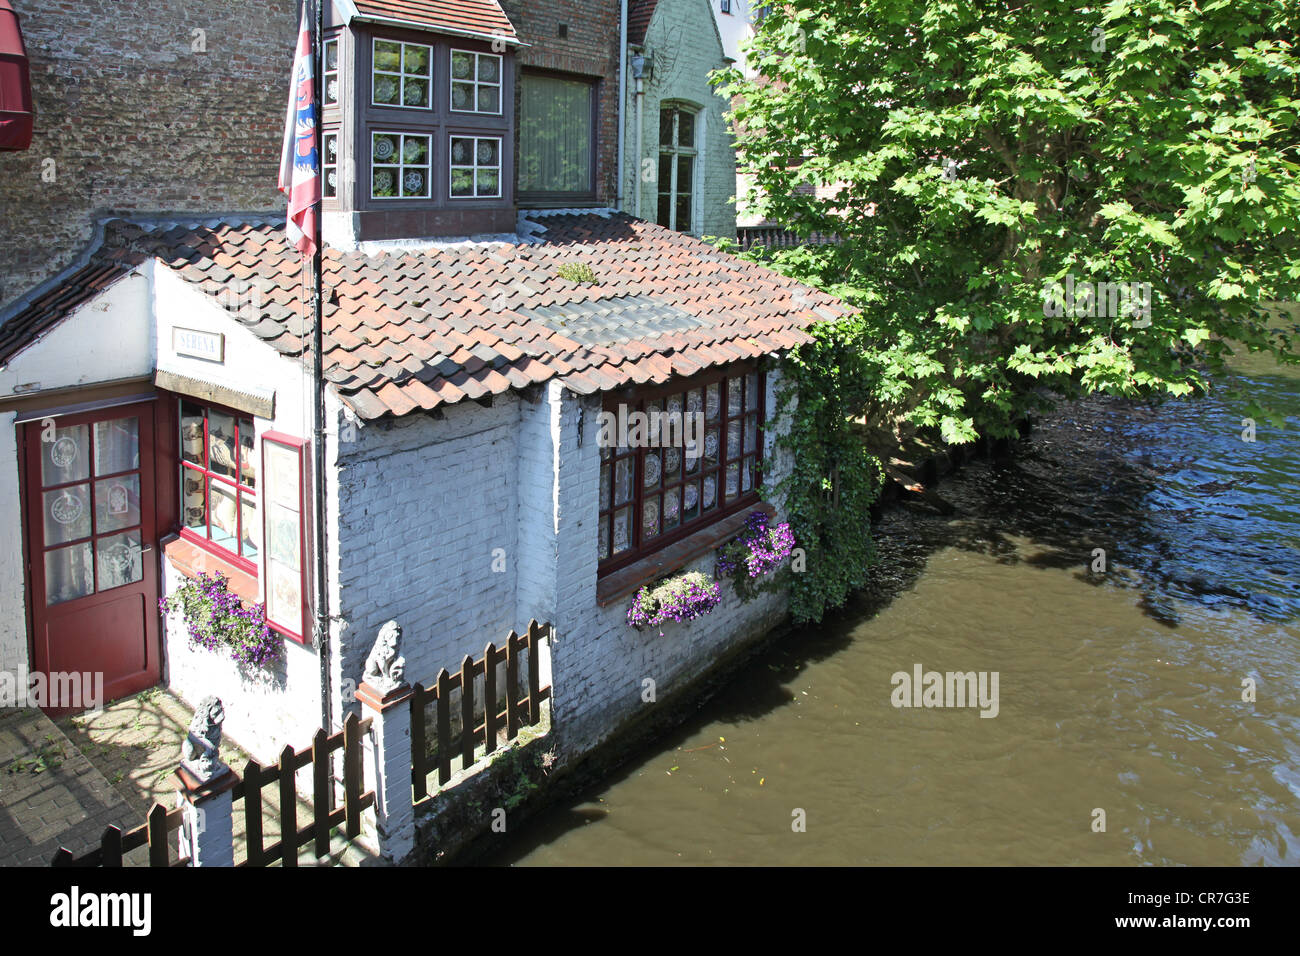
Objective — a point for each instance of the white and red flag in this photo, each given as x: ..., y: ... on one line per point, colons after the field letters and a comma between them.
x: 300, y: 160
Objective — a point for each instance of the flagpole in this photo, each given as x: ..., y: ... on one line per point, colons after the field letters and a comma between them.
x: 321, y: 636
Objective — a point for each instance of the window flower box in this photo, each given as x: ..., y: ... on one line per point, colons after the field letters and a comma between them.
x: 683, y: 597
x: 757, y: 551
x: 219, y: 621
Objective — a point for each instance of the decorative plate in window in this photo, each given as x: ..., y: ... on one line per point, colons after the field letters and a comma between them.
x: 384, y: 149
x: 691, y: 496
x: 385, y: 90
x: 712, y: 402
x: 488, y: 69
x: 332, y: 147
x: 711, y: 443
x: 383, y: 183
x: 694, y: 402
x: 460, y: 66
x: 672, y: 460
x: 416, y: 59
x: 670, y: 507
x: 414, y: 183
x: 460, y: 94
x: 650, y: 518
x: 621, y: 530
x: 487, y: 99
x: 333, y: 178
x: 459, y: 151
x: 332, y: 91
x: 413, y: 151
x: 710, y: 490
x: 487, y: 152
x: 415, y: 94
x: 651, y: 470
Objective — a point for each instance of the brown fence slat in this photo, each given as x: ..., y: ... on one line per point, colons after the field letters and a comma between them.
x: 419, y: 743
x: 444, y: 726
x: 158, y: 855
x: 466, y: 712
x: 512, y: 685
x: 534, y: 656
x: 353, y: 779
x: 110, y: 844
x: 322, y: 791
x: 490, y: 725
x: 253, y: 811
x: 288, y: 809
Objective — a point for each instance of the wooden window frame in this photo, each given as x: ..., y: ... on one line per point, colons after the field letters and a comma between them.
x: 474, y: 167
x: 336, y: 42
x: 299, y: 447
x: 403, y: 76
x: 676, y: 151
x: 402, y: 166
x: 636, y: 399
x: 543, y: 198
x: 475, y: 82
x: 247, y: 565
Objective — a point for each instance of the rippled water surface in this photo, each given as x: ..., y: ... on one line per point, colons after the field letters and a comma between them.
x: 1119, y: 691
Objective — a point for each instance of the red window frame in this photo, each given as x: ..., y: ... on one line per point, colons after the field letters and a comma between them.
x: 641, y: 544
x: 299, y: 447
x: 248, y: 565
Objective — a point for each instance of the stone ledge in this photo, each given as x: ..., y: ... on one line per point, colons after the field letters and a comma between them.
x: 626, y: 581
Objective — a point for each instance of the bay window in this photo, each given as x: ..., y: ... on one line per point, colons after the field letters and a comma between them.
x: 218, y: 473
x: 475, y: 82
x: 401, y: 75
x: 399, y: 165
x: 475, y: 167
x: 654, y: 491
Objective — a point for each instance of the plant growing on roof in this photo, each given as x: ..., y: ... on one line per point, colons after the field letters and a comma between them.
x: 219, y: 620
x: 683, y: 597
x: 578, y: 272
x: 754, y: 553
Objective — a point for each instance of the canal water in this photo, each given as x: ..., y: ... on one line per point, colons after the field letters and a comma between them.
x: 1119, y: 696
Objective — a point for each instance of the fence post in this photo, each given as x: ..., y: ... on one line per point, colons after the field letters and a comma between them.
x: 386, y: 698
x: 206, y: 791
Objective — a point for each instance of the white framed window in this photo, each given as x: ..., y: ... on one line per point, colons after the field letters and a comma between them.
x: 400, y: 165
x: 677, y: 160
x: 331, y: 72
x: 330, y: 165
x: 401, y: 75
x: 475, y: 167
x: 475, y: 82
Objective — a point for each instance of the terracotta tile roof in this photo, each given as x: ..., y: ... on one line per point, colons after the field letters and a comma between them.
x: 408, y: 329
x: 481, y: 17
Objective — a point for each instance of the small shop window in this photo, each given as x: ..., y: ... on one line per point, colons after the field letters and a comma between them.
x: 399, y: 166
x: 475, y: 167
x: 402, y: 75
x: 285, y: 585
x: 652, y: 494
x: 219, y: 489
x: 475, y: 82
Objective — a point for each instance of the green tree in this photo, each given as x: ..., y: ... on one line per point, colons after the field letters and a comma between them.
x: 980, y: 160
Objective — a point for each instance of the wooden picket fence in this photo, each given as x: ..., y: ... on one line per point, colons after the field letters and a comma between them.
x: 155, y: 832
x: 319, y: 757
x: 521, y: 709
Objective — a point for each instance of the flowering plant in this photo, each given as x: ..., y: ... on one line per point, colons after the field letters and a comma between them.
x: 681, y: 598
x: 218, y: 619
x: 758, y: 550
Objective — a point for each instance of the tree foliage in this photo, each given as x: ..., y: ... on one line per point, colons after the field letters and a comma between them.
x: 973, y: 154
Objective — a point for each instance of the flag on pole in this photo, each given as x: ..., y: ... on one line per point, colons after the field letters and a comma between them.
x: 300, y: 159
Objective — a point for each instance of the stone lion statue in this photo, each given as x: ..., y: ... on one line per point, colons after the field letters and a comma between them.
x: 385, y: 670
x: 201, y: 751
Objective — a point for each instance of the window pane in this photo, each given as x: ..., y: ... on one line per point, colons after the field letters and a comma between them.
x: 388, y: 56
x: 415, y: 60
x: 733, y: 480
x: 747, y: 475
x: 733, y: 439
x: 462, y: 182
x: 751, y: 433
x: 386, y: 89
x: 69, y: 573
x: 67, y: 458
x: 712, y: 402
x: 195, y: 515
x: 117, y: 446
x: 685, y: 128
x: 117, y: 503
x: 733, y: 396
x: 604, y: 539
x: 221, y: 444
x: 709, y: 496
x: 691, y: 501
x: 462, y: 95
x: 489, y: 69
x: 489, y: 182
x: 192, y: 433
x: 666, y: 127
x: 67, y: 514
x: 672, y: 464
x: 672, y: 508
x: 119, y: 560
x: 622, y: 480
x: 605, y: 477
x: 415, y: 92
x: 650, y: 518
x: 711, y: 449
x: 224, y: 518
x: 462, y: 66
x: 489, y: 99
x: 751, y: 391
x: 555, y: 135
x: 622, y: 530
x: 653, y: 467
x: 252, y: 529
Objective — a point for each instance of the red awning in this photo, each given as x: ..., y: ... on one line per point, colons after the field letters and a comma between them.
x: 16, y: 111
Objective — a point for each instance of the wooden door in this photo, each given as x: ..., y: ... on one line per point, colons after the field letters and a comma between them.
x: 92, y: 555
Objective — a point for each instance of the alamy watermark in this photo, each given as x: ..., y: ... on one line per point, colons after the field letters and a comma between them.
x: 653, y: 429
x: 922, y: 688
x: 63, y: 690
x: 1080, y: 299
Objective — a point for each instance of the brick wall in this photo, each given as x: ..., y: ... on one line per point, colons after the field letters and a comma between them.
x: 589, y: 48
x: 135, y: 120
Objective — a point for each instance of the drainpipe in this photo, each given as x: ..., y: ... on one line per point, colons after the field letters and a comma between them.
x: 638, y: 74
x: 321, y: 626
x: 622, y: 102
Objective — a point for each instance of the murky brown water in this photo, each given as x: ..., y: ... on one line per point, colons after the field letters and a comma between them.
x: 1120, y: 691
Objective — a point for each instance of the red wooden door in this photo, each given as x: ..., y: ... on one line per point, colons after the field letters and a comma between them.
x: 92, y: 549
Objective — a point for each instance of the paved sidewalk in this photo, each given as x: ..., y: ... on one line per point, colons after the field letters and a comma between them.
x: 50, y: 793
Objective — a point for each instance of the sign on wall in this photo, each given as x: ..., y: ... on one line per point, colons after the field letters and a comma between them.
x: 193, y: 343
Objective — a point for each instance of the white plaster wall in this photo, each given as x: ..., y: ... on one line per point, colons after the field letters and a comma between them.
x: 422, y: 506
x: 265, y: 708
x: 107, y: 339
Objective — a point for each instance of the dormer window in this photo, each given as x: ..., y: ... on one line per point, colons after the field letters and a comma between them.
x: 475, y: 82
x: 402, y: 75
